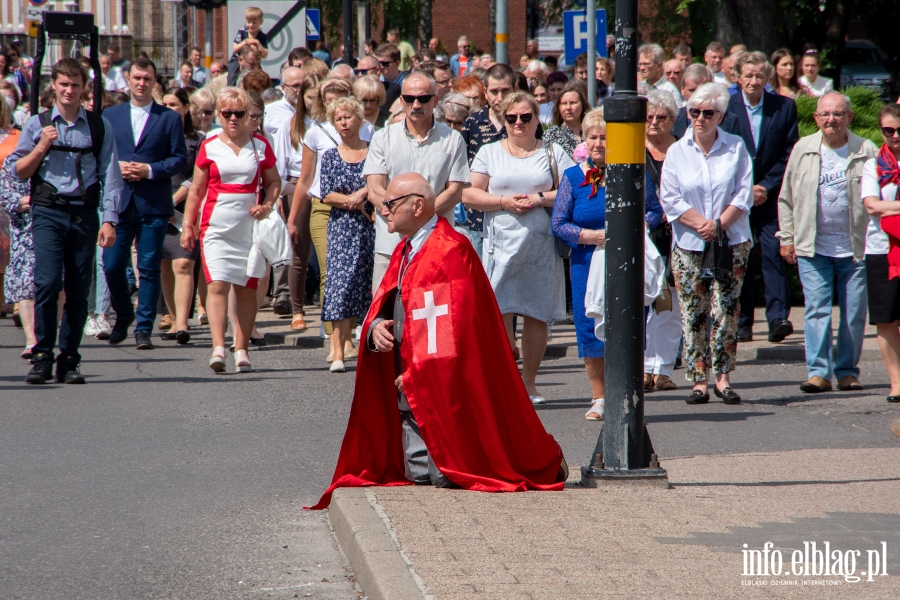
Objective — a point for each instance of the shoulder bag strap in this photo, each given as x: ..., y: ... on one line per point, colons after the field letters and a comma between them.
x: 325, y: 131
x: 259, y: 195
x: 554, y: 168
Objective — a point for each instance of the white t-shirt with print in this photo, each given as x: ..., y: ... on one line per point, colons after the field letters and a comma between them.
x: 833, y: 207
x: 876, y: 240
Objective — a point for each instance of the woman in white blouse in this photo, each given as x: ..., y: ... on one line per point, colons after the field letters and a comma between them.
x: 706, y: 184
x: 810, y: 80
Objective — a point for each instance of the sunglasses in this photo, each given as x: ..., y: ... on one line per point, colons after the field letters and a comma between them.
x: 391, y: 204
x: 227, y: 114
x: 890, y: 132
x: 209, y: 113
x: 657, y: 118
x: 369, y: 100
x: 423, y: 99
x: 708, y: 113
x: 361, y: 72
x: 386, y: 63
x: 524, y: 117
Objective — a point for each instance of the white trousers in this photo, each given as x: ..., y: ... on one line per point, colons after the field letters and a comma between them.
x: 663, y: 337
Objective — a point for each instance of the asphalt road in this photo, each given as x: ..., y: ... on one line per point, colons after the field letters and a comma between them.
x: 158, y: 479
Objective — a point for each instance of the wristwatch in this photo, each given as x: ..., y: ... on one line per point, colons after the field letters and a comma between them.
x: 541, y: 194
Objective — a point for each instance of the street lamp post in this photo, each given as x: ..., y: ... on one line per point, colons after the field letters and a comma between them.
x: 624, y: 451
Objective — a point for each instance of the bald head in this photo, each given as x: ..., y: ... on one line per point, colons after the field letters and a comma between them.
x: 343, y: 71
x: 412, y: 206
x: 291, y: 78
x: 366, y: 63
x: 418, y: 80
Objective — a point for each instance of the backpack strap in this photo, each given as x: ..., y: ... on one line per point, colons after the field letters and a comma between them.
x: 98, y: 130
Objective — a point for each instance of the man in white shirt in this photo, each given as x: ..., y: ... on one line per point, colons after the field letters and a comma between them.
x: 715, y: 55
x: 650, y: 70
x: 823, y: 230
x: 278, y: 117
x: 421, y: 144
x: 113, y: 81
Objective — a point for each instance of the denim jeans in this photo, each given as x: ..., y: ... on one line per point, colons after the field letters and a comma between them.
x: 818, y: 274
x: 64, y: 242
x: 149, y: 231
x: 98, y: 296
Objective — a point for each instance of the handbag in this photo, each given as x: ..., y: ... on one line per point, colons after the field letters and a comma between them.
x: 718, y: 258
x: 562, y: 249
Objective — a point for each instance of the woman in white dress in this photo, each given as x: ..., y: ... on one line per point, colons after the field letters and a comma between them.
x: 810, y: 81
x: 513, y: 183
x: 227, y: 172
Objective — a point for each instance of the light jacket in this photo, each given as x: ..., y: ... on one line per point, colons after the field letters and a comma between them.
x: 798, y: 200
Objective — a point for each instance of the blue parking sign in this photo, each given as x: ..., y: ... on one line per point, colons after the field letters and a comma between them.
x: 313, y: 24
x: 575, y: 33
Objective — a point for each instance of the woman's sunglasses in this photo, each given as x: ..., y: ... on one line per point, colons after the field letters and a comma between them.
x: 524, y: 117
x: 234, y: 113
x: 890, y: 132
x: 707, y: 113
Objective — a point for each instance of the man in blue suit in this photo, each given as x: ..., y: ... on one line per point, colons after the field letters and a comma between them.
x: 768, y: 126
x: 150, y: 140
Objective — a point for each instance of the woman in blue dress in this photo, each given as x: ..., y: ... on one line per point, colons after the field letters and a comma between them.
x: 579, y: 219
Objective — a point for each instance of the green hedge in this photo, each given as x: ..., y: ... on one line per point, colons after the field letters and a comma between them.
x: 866, y: 104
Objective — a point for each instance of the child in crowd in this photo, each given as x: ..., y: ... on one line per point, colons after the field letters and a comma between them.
x: 250, y: 36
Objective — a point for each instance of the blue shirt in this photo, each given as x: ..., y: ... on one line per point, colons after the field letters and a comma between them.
x: 755, y: 114
x: 58, y: 168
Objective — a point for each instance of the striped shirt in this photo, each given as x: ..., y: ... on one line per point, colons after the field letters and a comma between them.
x: 440, y: 158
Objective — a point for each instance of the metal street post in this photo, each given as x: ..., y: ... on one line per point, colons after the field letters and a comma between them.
x: 591, y: 15
x: 624, y: 451
x: 348, y: 33
x: 208, y: 48
x: 501, y: 36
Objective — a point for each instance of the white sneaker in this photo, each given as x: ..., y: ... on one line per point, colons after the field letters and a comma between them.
x: 103, y: 328
x: 91, y: 328
x: 595, y: 413
x: 338, y: 367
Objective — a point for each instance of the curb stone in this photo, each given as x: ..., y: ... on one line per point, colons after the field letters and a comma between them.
x: 379, y: 563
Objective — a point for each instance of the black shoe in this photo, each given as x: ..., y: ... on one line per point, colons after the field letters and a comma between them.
x: 260, y: 341
x: 132, y: 289
x: 168, y: 336
x: 143, y: 341
x: 893, y: 398
x: 780, y: 329
x: 182, y: 337
x: 119, y: 331
x: 698, y: 397
x: 41, y: 370
x: 283, y: 308
x: 745, y: 333
x: 67, y: 371
x: 678, y: 363
x: 728, y: 395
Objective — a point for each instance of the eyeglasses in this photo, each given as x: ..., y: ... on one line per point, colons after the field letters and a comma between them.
x: 890, y: 132
x: 423, y: 99
x: 227, y: 114
x: 657, y: 118
x: 296, y: 87
x: 391, y: 204
x: 828, y: 115
x: 361, y: 72
x: 708, y: 113
x: 369, y: 100
x: 524, y: 117
x: 256, y: 117
x: 209, y: 113
x: 671, y: 73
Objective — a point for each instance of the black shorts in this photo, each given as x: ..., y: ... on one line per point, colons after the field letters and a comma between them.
x: 884, y: 293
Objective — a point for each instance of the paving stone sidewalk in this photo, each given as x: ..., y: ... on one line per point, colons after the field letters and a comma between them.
x: 631, y: 541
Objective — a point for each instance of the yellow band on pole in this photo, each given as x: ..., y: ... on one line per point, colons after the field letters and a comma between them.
x: 625, y: 143
x: 502, y: 37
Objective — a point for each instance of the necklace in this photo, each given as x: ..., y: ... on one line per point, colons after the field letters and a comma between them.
x: 509, y: 147
x: 355, y: 154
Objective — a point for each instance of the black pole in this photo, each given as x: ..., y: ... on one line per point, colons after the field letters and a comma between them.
x: 98, y: 74
x: 40, y: 49
x: 348, y: 33
x: 624, y: 451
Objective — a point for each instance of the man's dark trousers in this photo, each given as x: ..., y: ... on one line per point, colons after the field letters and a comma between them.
x: 65, y: 243
x: 150, y: 232
x: 775, y: 282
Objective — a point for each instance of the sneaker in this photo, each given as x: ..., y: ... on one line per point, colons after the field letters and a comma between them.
x: 142, y: 340
x: 41, y: 370
x: 595, y: 412
x: 849, y: 382
x: 283, y: 308
x: 104, y: 328
x: 67, y: 370
x: 815, y: 385
x: 91, y: 328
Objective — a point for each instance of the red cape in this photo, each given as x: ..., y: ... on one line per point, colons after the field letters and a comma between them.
x: 891, y: 226
x: 462, y: 384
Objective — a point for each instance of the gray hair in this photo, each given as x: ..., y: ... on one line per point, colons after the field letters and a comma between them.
x: 697, y: 72
x: 656, y: 52
x: 538, y: 65
x: 457, y: 99
x: 272, y: 95
x: 663, y: 100
x: 710, y: 93
x: 848, y: 106
x: 439, y: 115
x: 457, y: 110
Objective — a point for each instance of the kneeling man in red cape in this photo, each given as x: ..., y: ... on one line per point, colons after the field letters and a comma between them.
x: 439, y: 399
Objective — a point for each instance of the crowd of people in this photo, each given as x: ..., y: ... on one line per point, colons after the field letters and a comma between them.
x: 172, y: 179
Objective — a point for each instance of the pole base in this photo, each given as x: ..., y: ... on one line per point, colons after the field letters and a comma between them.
x: 591, y: 477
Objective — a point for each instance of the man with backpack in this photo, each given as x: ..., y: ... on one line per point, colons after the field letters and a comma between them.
x: 69, y: 155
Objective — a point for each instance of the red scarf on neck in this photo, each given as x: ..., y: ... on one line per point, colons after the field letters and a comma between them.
x: 889, y: 172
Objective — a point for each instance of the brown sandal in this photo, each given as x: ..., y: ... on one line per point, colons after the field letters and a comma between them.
x: 165, y: 323
x: 299, y: 324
